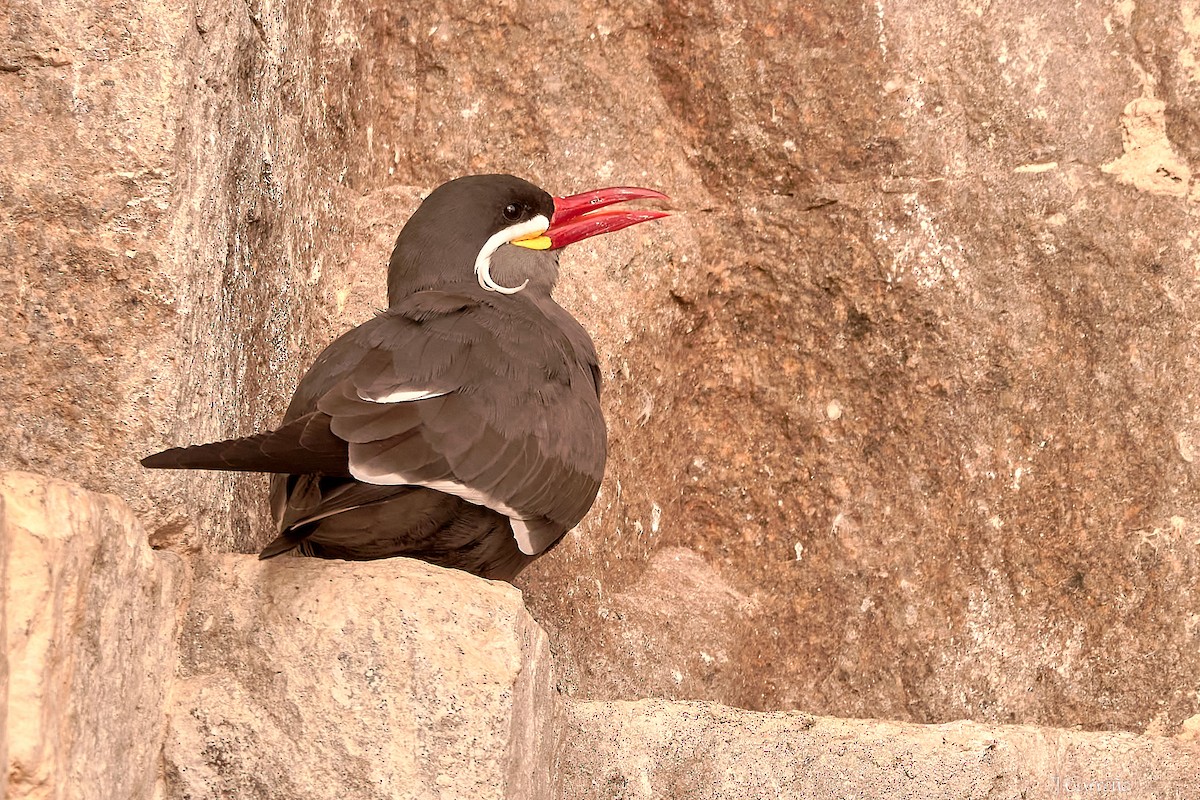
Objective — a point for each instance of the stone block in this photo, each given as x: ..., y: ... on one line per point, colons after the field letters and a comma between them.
x: 89, y: 622
x: 655, y: 750
x: 304, y: 678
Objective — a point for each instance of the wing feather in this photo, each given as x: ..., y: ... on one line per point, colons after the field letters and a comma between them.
x: 494, y: 402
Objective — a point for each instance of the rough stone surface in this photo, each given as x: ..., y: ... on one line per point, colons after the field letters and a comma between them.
x: 924, y: 389
x: 397, y: 679
x: 654, y: 750
x: 677, y: 625
x: 5, y: 672
x: 166, y: 242
x: 914, y: 373
x: 90, y: 624
x: 384, y: 679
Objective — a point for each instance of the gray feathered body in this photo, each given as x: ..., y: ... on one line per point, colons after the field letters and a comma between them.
x: 461, y: 426
x: 519, y: 422
x: 512, y: 420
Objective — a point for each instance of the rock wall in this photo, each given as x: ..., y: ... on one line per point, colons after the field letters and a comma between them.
x: 923, y: 390
x: 907, y: 390
x: 167, y: 191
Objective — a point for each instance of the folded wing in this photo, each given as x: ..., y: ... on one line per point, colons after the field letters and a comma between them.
x: 496, y: 403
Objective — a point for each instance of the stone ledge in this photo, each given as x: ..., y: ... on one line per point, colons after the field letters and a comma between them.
x: 302, y: 678
x: 385, y: 679
x: 655, y: 749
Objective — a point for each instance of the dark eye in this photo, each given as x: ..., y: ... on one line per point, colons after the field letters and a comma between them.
x: 514, y: 211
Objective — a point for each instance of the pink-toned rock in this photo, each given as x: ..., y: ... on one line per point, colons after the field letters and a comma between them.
x: 89, y: 616
x: 655, y: 750
x: 968, y: 228
x: 382, y: 679
x: 394, y: 678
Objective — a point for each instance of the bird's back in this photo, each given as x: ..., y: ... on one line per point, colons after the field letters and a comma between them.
x: 494, y: 402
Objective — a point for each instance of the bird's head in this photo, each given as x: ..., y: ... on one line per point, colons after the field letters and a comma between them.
x: 503, y: 233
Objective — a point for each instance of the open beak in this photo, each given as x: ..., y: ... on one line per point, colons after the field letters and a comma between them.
x: 580, y: 216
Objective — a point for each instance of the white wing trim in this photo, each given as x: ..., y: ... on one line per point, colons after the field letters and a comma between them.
x: 401, y: 395
x: 520, y: 529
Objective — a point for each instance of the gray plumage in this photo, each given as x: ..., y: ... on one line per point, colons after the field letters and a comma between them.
x: 461, y: 426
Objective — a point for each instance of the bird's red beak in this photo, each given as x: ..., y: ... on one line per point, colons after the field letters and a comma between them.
x: 579, y: 216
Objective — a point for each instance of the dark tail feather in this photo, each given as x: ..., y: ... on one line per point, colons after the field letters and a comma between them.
x: 303, y: 446
x: 283, y: 543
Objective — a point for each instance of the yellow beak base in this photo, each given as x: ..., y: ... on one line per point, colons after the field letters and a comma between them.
x: 536, y: 242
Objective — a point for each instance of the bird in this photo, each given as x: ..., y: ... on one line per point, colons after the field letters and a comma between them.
x: 462, y: 424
